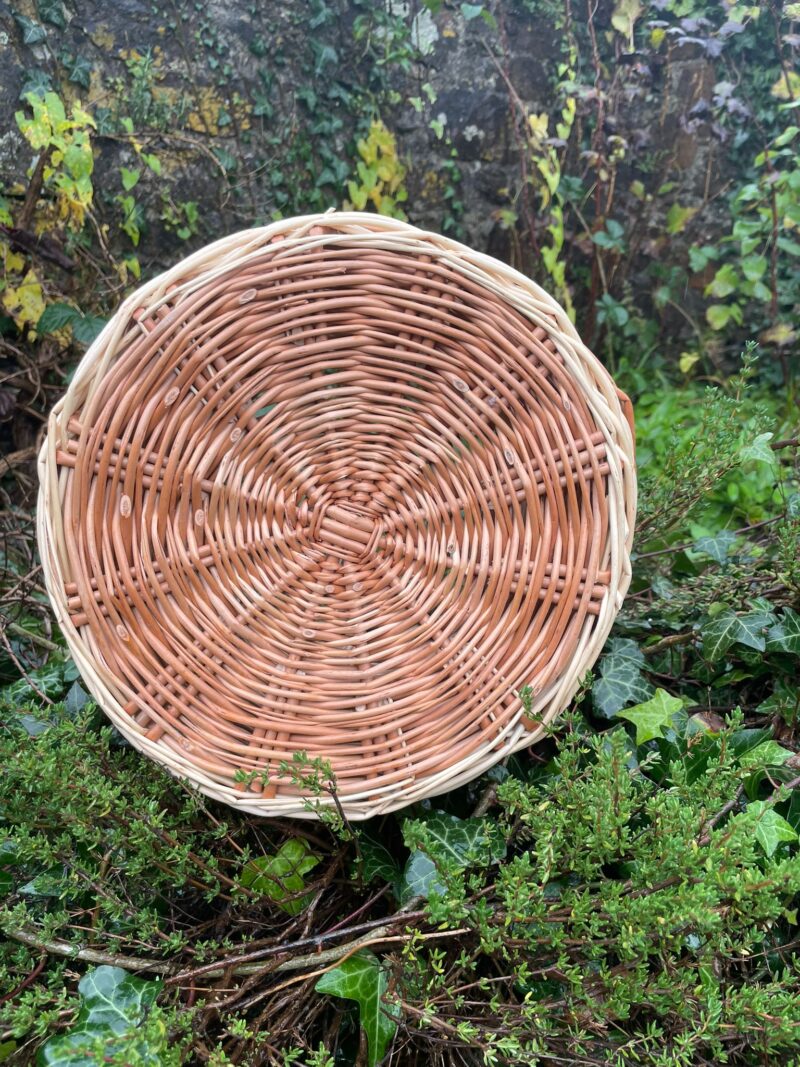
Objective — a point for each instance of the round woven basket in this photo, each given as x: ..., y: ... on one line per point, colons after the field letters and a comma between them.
x: 339, y: 487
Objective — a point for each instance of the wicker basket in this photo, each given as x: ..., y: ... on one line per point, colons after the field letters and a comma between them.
x: 341, y: 487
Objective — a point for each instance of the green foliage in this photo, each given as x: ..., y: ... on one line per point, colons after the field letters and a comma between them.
x: 443, y: 844
x: 280, y: 876
x: 107, y: 1029
x: 364, y: 979
x: 182, y: 218
x: 380, y: 174
x: 620, y: 680
x: 74, y: 800
x: 652, y: 717
x: 684, y: 462
x: 64, y: 142
x: 57, y: 316
x: 633, y: 901
x: 762, y: 268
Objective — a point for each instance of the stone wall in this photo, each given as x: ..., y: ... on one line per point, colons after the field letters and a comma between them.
x: 234, y: 94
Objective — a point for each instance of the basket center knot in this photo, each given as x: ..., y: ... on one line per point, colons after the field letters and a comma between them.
x: 347, y: 531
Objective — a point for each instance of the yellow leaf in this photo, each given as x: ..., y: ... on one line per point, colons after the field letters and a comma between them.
x: 787, y: 87
x: 687, y: 361
x: 779, y: 334
x: 625, y: 14
x: 25, y: 304
x: 677, y: 217
x: 538, y: 126
x: 13, y: 262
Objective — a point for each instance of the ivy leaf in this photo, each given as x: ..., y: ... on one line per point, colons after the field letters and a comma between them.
x: 36, y: 83
x: 8, y: 858
x: 32, y: 32
x: 364, y: 979
x: 625, y: 14
x: 726, y: 281
x: 113, y: 1005
x: 718, y: 316
x: 785, y: 635
x: 280, y: 876
x: 728, y: 628
x: 779, y: 334
x: 419, y: 877
x: 51, y: 11
x: 25, y: 301
x: 753, y: 267
x: 53, y: 882
x: 84, y: 327
x: 444, y: 840
x: 784, y: 700
x: 129, y: 178
x: 717, y: 546
x: 653, y: 716
x: 719, y: 634
x: 759, y: 450
x: 79, y: 71
x: 767, y: 754
x: 771, y: 828
x: 76, y: 699
x: 678, y: 217
x: 620, y: 680
x: 49, y: 680
x: 700, y: 257
x: 377, y: 862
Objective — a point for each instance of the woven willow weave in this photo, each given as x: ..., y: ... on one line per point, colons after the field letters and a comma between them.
x: 342, y: 487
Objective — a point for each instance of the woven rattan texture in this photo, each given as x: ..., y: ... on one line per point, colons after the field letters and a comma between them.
x: 342, y: 487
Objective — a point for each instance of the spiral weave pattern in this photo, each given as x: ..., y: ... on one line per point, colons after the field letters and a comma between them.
x: 339, y: 487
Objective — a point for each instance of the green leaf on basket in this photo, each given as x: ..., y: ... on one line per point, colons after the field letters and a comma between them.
x: 113, y: 1006
x: 653, y: 716
x: 280, y: 875
x: 364, y: 979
